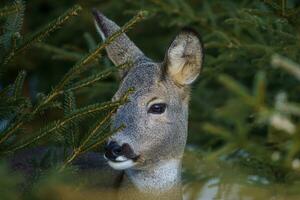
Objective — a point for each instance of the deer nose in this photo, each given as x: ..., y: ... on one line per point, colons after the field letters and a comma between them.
x: 113, y: 150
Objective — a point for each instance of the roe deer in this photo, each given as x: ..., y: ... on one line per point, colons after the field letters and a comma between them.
x: 146, y: 156
x: 150, y: 149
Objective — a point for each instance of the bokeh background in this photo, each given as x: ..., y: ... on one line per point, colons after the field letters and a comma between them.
x: 244, y: 123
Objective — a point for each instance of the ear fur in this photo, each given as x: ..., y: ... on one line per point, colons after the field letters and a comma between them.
x: 184, y: 57
x: 122, y: 49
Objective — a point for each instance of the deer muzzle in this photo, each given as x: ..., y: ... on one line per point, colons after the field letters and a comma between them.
x: 120, y: 157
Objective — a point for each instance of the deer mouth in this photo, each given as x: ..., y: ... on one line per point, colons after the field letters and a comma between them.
x: 121, y: 162
x: 122, y: 165
x: 120, y: 157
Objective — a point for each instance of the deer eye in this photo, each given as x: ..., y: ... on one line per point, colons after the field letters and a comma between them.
x: 157, y: 108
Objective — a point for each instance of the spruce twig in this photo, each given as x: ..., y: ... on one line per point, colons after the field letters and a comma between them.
x: 283, y: 7
x: 218, y: 131
x: 237, y: 88
x: 96, y: 129
x: 5, y: 91
x: 42, y: 33
x: 260, y: 88
x: 12, y: 27
x: 69, y: 107
x: 75, y: 116
x: 73, y: 56
x: 18, y: 85
x: 9, y: 10
x: 94, y: 78
x: 286, y: 64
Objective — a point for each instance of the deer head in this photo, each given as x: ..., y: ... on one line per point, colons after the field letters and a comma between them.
x: 156, y: 116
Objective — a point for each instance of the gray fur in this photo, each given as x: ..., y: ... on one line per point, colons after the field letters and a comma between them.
x: 158, y: 139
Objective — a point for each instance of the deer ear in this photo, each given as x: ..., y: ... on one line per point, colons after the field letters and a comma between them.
x: 122, y: 49
x: 184, y: 57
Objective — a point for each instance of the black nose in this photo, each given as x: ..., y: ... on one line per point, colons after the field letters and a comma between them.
x: 113, y: 150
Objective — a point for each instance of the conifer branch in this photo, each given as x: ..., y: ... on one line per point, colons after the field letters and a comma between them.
x: 75, y: 116
x: 260, y: 88
x: 286, y: 64
x: 12, y: 27
x: 69, y: 107
x: 94, y: 78
x: 52, y: 105
x: 90, y: 80
x: 73, y: 56
x: 69, y: 102
x: 78, y: 68
x: 18, y: 85
x: 96, y: 129
x: 92, y: 132
x: 41, y: 34
x: 78, y: 115
x: 10, y: 130
x: 237, y: 88
x: 217, y: 130
x: 5, y: 90
x: 9, y: 10
x: 283, y: 7
x: 272, y: 4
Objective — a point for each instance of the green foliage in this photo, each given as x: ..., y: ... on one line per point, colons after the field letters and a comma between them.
x: 12, y: 9
x: 41, y: 34
x: 9, y: 183
x: 13, y: 25
x: 71, y: 132
x: 59, y: 89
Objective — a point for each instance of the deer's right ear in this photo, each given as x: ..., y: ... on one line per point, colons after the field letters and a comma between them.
x: 184, y: 58
x: 122, y: 49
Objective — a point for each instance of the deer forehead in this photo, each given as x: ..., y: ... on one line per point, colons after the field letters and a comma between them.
x: 148, y: 81
x: 143, y: 78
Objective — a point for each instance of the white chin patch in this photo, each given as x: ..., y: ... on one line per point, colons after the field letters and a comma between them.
x: 121, y: 165
x: 121, y: 158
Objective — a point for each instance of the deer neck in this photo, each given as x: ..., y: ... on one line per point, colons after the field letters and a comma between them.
x: 164, y: 178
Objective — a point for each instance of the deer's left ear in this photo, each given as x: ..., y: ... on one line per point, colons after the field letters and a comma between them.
x: 184, y: 57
